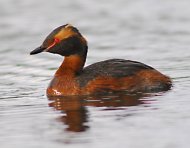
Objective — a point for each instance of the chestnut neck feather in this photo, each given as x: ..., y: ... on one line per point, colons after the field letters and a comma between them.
x: 71, y: 65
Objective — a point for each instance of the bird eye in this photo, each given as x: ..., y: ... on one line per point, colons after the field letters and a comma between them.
x: 56, y: 40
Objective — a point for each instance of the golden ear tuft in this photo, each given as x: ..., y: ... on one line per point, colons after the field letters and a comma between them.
x: 68, y: 25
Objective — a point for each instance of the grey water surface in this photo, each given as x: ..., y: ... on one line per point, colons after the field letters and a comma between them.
x: 155, y: 32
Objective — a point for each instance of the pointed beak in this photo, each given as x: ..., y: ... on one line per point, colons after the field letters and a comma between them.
x: 37, y: 50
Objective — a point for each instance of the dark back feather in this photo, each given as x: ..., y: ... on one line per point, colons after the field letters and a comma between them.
x: 116, y: 68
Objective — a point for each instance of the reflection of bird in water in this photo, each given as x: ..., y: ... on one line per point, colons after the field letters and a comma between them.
x: 75, y: 107
x: 75, y: 119
x: 75, y: 113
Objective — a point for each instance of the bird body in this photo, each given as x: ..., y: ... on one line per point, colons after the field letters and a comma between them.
x: 102, y: 77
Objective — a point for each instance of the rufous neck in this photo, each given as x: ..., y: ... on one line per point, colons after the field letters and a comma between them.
x: 71, y: 65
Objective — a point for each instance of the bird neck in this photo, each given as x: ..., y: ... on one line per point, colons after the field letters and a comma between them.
x: 71, y: 65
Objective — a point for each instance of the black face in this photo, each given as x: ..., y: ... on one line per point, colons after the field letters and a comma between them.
x: 69, y: 46
x: 65, y: 40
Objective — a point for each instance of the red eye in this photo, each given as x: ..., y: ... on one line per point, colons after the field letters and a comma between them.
x: 56, y: 40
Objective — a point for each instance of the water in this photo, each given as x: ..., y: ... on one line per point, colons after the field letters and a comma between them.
x: 155, y: 32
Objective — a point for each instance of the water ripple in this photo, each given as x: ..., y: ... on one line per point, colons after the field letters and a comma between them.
x: 156, y: 35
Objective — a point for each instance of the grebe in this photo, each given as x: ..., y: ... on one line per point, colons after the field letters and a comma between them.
x: 106, y: 76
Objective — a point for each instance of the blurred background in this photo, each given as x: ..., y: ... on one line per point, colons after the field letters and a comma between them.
x: 155, y: 32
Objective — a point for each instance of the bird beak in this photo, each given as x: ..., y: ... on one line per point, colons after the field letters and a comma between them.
x: 37, y: 50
